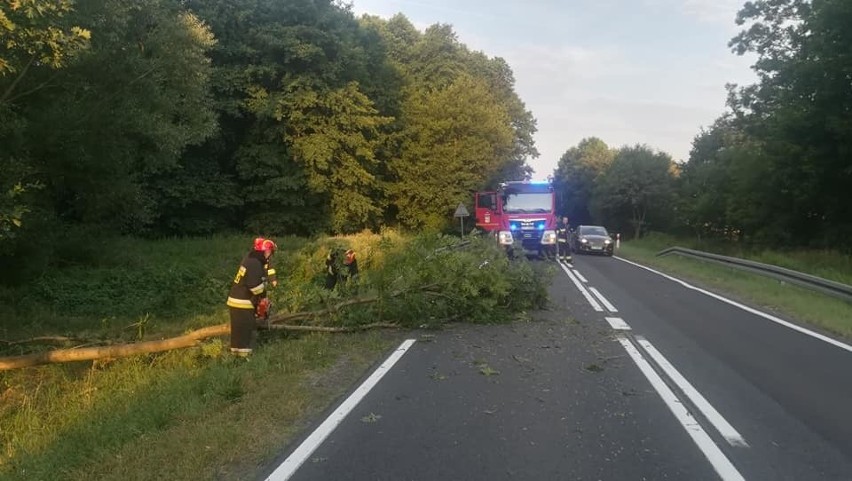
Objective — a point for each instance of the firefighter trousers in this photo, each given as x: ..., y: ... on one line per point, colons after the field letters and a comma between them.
x: 563, y: 250
x: 243, y: 326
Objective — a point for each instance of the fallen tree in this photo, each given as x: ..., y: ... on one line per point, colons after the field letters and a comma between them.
x: 430, y: 282
x: 190, y: 339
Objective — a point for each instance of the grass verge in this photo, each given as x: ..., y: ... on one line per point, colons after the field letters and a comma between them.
x: 186, y: 415
x: 822, y: 263
x: 824, y: 312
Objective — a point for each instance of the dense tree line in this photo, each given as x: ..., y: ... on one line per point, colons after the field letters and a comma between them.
x: 629, y: 189
x: 775, y: 170
x: 183, y: 117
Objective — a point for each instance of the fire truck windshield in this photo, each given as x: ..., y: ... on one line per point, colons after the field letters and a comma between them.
x: 527, y: 203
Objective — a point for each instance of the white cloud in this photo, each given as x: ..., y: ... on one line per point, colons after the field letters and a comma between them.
x: 567, y: 67
x: 710, y: 11
x: 438, y: 11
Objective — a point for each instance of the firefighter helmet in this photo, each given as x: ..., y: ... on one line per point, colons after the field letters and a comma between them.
x: 261, y: 244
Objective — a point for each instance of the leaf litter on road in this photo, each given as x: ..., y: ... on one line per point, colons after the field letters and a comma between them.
x: 594, y: 368
x: 371, y: 418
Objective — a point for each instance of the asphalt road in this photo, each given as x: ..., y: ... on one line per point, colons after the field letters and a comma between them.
x: 695, y: 389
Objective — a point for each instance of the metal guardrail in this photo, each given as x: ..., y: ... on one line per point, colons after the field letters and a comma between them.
x: 825, y: 286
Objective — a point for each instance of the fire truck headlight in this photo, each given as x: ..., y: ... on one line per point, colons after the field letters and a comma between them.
x: 549, y: 237
x: 505, y: 237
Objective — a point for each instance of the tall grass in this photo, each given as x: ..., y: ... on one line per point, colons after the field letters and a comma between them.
x: 166, y: 284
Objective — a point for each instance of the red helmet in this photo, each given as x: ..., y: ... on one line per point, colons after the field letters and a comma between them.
x: 261, y: 244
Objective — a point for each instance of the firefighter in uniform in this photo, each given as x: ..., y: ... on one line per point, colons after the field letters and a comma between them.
x: 333, y: 272
x: 563, y: 243
x: 247, y: 299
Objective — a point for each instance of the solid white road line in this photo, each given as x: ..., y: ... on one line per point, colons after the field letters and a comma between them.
x: 309, y: 445
x: 603, y: 299
x: 717, y: 459
x: 731, y: 435
x: 597, y: 307
x: 618, y: 323
x: 580, y: 276
x: 764, y: 315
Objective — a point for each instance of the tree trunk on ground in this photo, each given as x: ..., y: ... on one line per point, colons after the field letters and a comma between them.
x: 190, y: 339
x: 121, y: 350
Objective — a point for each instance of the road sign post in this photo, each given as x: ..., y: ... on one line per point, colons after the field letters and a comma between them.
x: 461, y: 213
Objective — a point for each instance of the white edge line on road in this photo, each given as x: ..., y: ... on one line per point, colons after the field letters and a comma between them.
x: 731, y: 435
x: 580, y: 276
x: 764, y: 315
x: 597, y: 307
x: 618, y: 324
x: 309, y: 445
x: 720, y: 463
x: 603, y: 299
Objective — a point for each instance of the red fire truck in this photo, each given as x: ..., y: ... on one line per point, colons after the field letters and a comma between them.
x: 521, y: 214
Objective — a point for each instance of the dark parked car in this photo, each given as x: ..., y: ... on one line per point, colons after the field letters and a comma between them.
x: 593, y: 239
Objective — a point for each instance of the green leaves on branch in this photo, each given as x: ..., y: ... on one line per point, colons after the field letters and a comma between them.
x: 434, y: 281
x: 333, y: 136
x: 36, y: 32
x: 12, y: 210
x: 576, y: 176
x: 789, y: 164
x: 636, y: 189
x: 452, y: 143
x: 624, y: 189
x: 461, y: 126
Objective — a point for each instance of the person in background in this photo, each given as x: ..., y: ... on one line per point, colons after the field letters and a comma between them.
x: 332, y: 270
x: 351, y: 264
x: 335, y: 272
x: 247, y: 298
x: 563, y: 240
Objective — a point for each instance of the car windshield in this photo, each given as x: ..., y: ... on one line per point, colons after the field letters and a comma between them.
x: 593, y: 230
x: 526, y: 203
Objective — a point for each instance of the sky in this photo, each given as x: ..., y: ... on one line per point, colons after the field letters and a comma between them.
x: 627, y: 71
